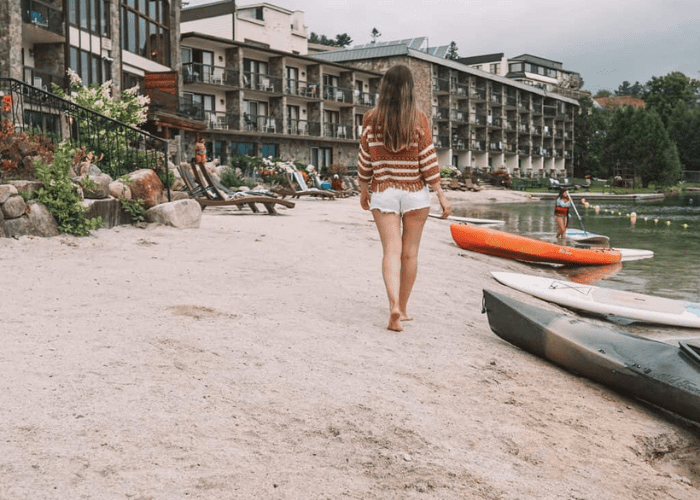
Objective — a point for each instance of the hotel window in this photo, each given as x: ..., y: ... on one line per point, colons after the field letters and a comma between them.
x: 495, y: 68
x: 242, y: 148
x: 321, y: 158
x: 90, y: 15
x: 146, y: 29
x: 516, y: 67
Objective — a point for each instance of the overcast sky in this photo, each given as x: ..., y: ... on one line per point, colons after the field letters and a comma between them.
x: 606, y: 41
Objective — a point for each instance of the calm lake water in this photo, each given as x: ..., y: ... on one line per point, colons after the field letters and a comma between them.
x: 673, y: 272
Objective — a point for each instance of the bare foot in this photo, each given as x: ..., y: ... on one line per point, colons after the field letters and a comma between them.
x: 405, y: 317
x: 395, y: 322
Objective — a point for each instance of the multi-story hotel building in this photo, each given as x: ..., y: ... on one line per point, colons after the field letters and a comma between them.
x: 480, y: 119
x: 262, y: 95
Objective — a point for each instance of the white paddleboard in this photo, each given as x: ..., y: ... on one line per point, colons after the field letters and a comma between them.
x: 581, y: 236
x: 470, y: 220
x: 606, y: 301
x: 634, y: 254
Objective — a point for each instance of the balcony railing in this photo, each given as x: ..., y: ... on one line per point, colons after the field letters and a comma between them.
x: 301, y: 88
x: 478, y: 94
x: 181, y: 106
x: 442, y: 141
x: 337, y: 94
x: 366, y: 99
x: 458, y: 116
x: 459, y: 143
x: 214, y: 75
x: 441, y: 113
x: 221, y: 120
x: 297, y: 127
x: 262, y: 82
x: 479, y: 146
x: 43, y: 15
x: 337, y: 131
x: 441, y: 85
x: 43, y: 80
x: 262, y: 123
x: 496, y: 99
x: 125, y: 148
x: 460, y: 90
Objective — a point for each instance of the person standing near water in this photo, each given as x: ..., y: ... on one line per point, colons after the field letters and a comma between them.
x: 200, y: 152
x: 561, y: 212
x: 396, y: 163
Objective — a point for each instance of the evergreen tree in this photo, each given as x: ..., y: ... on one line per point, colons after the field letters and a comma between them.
x: 684, y: 129
x: 452, y: 52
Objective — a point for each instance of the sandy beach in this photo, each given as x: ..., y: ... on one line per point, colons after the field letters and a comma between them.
x: 249, y: 359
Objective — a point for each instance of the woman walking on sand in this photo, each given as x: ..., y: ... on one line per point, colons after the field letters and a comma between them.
x: 396, y: 163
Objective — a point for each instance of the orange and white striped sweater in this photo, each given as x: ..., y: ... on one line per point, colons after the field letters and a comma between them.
x: 410, y: 169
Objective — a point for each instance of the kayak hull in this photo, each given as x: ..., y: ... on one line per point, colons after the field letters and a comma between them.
x: 655, y: 372
x: 502, y: 244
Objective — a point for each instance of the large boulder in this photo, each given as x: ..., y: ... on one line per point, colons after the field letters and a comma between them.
x: 26, y: 186
x: 145, y: 185
x: 120, y: 190
x: 181, y: 214
x: 38, y: 222
x: 14, y: 207
x: 97, y: 186
x: 6, y: 190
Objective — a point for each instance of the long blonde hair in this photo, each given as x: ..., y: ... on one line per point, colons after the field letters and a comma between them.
x: 395, y: 117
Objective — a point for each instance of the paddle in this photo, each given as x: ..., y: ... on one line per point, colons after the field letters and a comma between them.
x: 577, y: 215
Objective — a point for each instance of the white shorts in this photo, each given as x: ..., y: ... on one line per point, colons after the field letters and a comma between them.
x: 398, y: 201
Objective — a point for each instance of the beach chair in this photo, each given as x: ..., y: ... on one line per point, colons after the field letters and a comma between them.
x: 207, y: 194
x: 303, y: 190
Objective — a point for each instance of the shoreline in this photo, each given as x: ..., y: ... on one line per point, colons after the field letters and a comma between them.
x: 249, y: 358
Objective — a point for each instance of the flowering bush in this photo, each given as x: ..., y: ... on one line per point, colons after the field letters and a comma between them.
x: 129, y: 107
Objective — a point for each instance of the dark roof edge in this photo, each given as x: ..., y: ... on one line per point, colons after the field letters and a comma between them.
x: 208, y: 10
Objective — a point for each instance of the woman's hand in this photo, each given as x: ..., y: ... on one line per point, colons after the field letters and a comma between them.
x: 446, y: 207
x: 364, y: 198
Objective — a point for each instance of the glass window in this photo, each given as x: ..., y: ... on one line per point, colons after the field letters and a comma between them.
x: 131, y: 33
x: 515, y: 67
x: 72, y: 11
x: 143, y: 36
x: 269, y: 150
x: 83, y: 14
x: 84, y: 67
x: 242, y: 148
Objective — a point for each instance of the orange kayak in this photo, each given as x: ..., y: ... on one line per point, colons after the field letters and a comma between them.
x: 513, y: 246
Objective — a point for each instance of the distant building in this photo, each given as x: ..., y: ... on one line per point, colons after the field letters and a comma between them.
x: 619, y: 101
x: 481, y: 119
x: 538, y: 72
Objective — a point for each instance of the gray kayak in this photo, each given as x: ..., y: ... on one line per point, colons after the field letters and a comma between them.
x: 656, y: 372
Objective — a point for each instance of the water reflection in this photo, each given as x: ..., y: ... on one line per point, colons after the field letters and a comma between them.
x: 669, y: 227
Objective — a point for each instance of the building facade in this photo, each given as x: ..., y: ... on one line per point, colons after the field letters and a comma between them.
x: 262, y: 95
x: 480, y: 119
x: 100, y: 40
x: 538, y: 72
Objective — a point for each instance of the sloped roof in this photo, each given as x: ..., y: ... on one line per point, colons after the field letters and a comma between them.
x: 620, y: 101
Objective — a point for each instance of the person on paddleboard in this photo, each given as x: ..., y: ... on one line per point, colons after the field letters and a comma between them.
x: 396, y: 163
x: 561, y: 212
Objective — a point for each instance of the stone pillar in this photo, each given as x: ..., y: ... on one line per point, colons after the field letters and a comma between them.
x: 11, y: 40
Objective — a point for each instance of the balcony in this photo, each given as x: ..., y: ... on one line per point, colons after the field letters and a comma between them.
x: 213, y: 75
x: 441, y: 85
x: 301, y: 88
x: 459, y: 89
x: 496, y: 99
x: 458, y: 116
x: 479, y: 146
x: 297, y: 127
x: 442, y: 141
x: 171, y: 103
x: 459, y: 143
x: 337, y: 94
x: 524, y: 129
x: 524, y: 150
x: 266, y: 124
x: 220, y: 120
x: 478, y: 94
x: 337, y: 131
x: 46, y: 21
x: 43, y: 80
x: 441, y: 113
x: 262, y: 82
x: 365, y: 99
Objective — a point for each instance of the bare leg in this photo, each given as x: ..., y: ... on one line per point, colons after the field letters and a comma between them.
x: 561, y: 227
x: 389, y: 226
x: 413, y: 223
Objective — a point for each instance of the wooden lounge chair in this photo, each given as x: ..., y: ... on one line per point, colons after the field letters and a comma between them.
x: 207, y: 194
x: 303, y: 190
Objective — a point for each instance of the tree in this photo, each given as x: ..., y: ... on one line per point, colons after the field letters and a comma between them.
x: 635, y: 90
x: 342, y: 40
x: 452, y: 52
x: 375, y: 34
x: 662, y: 94
x: 684, y: 129
x: 603, y: 93
x: 636, y: 143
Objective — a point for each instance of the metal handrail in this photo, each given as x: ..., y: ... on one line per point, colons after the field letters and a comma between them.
x: 125, y: 148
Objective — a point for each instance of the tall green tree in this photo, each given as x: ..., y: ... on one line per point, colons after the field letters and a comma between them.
x: 636, y: 143
x: 664, y: 93
x: 636, y: 90
x: 684, y: 129
x: 342, y: 40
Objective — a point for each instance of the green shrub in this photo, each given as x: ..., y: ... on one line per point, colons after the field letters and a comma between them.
x: 60, y: 196
x: 230, y: 178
